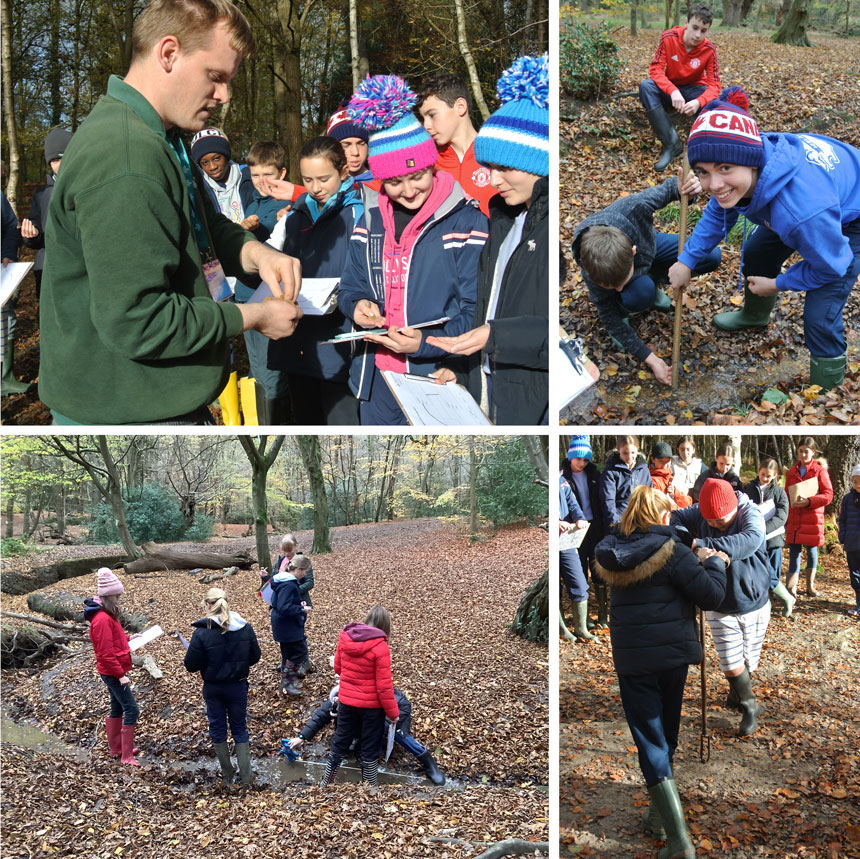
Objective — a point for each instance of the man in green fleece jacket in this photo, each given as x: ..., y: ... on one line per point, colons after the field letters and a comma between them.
x: 130, y: 332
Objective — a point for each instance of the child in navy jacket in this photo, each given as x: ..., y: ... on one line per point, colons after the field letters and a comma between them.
x: 317, y: 232
x: 415, y: 257
x: 289, y: 613
x: 802, y: 191
x: 849, y: 535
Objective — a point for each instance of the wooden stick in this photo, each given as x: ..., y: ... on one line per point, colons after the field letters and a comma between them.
x: 682, y: 236
x: 704, y: 737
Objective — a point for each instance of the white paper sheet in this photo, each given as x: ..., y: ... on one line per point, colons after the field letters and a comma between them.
x: 574, y: 378
x: 427, y: 404
x: 389, y: 740
x: 317, y: 296
x: 12, y: 275
x: 571, y: 539
x: 357, y: 335
x: 145, y: 637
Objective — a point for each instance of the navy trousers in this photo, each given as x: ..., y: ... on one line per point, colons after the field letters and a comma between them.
x: 853, y: 559
x: 227, y: 701
x: 652, y: 96
x: 122, y: 701
x: 572, y: 575
x: 652, y: 705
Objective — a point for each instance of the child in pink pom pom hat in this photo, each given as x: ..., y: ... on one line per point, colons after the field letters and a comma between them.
x: 414, y: 257
x: 113, y: 662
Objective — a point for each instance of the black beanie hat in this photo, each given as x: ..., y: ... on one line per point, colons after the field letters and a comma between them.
x: 56, y: 142
x: 661, y: 450
x: 210, y: 140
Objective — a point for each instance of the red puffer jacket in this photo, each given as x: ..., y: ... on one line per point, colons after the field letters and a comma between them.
x: 805, y: 525
x: 110, y: 643
x: 363, y: 662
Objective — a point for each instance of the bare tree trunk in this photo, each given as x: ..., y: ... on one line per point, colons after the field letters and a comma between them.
x: 9, y: 105
x: 470, y: 62
x: 309, y: 445
x: 634, y: 8
x: 793, y: 29
x: 9, y: 524
x: 668, y: 10
x: 353, y: 42
x: 261, y: 462
x: 537, y: 454
x: 473, y: 488
x: 399, y: 442
x: 843, y: 453
x: 731, y: 13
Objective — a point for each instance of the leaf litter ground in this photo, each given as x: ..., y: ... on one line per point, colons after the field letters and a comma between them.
x: 608, y: 150
x: 792, y: 789
x: 479, y: 697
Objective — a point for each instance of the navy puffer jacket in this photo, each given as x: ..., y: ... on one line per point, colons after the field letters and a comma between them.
x: 775, y: 526
x: 617, y: 483
x: 656, y: 582
x: 222, y: 657
x: 849, y: 522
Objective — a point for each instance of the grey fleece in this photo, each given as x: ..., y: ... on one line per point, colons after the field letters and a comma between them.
x: 634, y: 216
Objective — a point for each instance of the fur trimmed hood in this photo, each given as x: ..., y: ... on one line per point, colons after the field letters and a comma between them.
x: 626, y: 561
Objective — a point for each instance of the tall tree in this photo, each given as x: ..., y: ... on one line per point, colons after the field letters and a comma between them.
x: 309, y: 445
x: 101, y: 466
x: 9, y: 103
x: 843, y: 453
x: 261, y: 461
x: 793, y: 29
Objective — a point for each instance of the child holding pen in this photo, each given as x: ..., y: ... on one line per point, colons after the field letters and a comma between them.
x: 414, y: 258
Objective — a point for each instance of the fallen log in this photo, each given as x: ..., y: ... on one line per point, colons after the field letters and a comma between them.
x: 60, y: 606
x: 158, y: 558
x: 19, y: 582
x: 21, y: 646
x: 148, y: 664
x: 214, y: 577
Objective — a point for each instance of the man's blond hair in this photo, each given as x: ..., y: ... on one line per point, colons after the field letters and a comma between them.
x: 191, y: 22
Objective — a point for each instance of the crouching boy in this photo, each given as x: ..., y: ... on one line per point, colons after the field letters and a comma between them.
x: 623, y: 258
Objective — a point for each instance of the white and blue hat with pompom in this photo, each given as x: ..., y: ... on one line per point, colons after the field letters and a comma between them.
x: 517, y: 134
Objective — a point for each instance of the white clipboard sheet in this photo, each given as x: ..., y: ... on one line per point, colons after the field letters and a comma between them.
x: 427, y: 404
x: 317, y: 297
x: 10, y: 279
x: 571, y: 539
x: 576, y: 373
x: 145, y: 637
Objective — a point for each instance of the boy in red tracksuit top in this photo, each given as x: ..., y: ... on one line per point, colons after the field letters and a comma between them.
x: 683, y: 76
x: 366, y: 695
x: 445, y: 106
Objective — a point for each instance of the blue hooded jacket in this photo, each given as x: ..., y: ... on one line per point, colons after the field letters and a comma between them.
x: 849, y: 522
x: 617, y: 483
x: 568, y: 508
x: 748, y: 574
x: 319, y: 238
x: 807, y: 191
x: 442, y: 280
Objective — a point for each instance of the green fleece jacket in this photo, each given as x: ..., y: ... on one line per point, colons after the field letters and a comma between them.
x: 129, y: 332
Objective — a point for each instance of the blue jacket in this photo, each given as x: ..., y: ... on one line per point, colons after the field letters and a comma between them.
x: 807, y: 191
x: 442, y: 280
x: 10, y: 231
x: 596, y: 530
x: 849, y: 522
x: 773, y: 491
x: 748, y: 574
x: 656, y: 583
x: 320, y: 240
x: 222, y: 657
x: 266, y: 209
x: 288, y: 617
x: 711, y: 471
x: 568, y: 509
x: 617, y: 483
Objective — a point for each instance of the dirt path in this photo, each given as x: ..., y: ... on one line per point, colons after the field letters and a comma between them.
x: 790, y: 790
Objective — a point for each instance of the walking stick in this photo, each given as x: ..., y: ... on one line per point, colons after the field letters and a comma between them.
x: 704, y: 739
x: 682, y: 235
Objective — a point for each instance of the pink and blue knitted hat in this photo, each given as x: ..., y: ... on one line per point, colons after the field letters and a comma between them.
x: 398, y: 143
x: 725, y: 133
x: 517, y: 134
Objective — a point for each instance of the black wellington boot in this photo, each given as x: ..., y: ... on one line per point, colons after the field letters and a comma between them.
x: 431, y: 770
x: 666, y: 134
x: 742, y: 686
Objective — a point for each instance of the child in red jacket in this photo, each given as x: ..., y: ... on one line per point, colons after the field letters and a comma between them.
x: 366, y: 696
x: 113, y: 662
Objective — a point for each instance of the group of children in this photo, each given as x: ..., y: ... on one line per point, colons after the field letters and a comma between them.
x: 224, y: 647
x: 421, y: 221
x: 599, y: 499
x: 798, y: 193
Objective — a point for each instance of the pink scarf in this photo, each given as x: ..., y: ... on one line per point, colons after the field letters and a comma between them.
x: 396, y: 258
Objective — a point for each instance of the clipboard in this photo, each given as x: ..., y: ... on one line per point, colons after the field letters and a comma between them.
x: 265, y: 592
x: 577, y: 372
x: 389, y: 740
x: 571, y: 539
x: 805, y: 489
x: 318, y: 295
x: 428, y: 404
x: 10, y: 279
x: 145, y: 637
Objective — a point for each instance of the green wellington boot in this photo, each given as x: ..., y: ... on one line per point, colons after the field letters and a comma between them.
x: 666, y: 134
x: 664, y: 795
x: 223, y: 755
x: 827, y: 372
x: 662, y: 301
x: 754, y: 314
x: 243, y: 759
x: 580, y: 622
x: 785, y: 595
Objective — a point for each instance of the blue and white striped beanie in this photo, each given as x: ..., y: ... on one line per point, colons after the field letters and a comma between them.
x: 580, y: 447
x: 516, y: 136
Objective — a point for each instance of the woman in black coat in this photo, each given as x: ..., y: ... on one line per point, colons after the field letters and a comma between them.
x: 656, y: 583
x: 223, y: 648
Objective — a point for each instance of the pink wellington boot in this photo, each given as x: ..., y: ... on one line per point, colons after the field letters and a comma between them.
x: 128, y: 750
